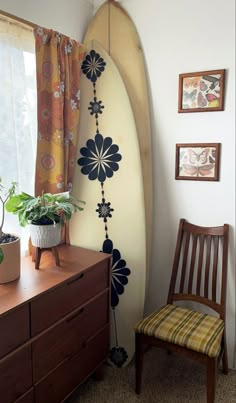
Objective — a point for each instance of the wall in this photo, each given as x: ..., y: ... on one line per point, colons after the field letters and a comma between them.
x: 178, y: 37
x: 69, y: 18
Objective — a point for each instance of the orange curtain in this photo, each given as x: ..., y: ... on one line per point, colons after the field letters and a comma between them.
x: 58, y: 62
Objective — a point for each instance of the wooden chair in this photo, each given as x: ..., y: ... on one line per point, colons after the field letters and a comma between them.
x: 198, y: 276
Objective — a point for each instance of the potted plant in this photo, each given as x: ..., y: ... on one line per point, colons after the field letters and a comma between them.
x: 9, y: 243
x: 44, y: 214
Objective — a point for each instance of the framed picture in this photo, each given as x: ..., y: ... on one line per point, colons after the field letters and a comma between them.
x: 198, y: 161
x: 202, y: 91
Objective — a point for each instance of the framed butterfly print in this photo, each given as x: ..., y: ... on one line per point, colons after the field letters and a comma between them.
x: 198, y: 161
x: 202, y: 91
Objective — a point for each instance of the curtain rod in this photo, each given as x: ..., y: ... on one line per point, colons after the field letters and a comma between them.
x: 29, y: 23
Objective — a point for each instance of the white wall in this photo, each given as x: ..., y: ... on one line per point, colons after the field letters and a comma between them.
x: 180, y: 37
x: 177, y: 37
x: 68, y: 17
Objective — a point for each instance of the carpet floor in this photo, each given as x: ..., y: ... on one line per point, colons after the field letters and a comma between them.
x: 166, y: 379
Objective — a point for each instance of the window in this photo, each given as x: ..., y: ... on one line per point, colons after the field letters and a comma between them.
x: 18, y: 114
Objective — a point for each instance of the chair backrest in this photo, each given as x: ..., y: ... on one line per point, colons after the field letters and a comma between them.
x: 200, y: 266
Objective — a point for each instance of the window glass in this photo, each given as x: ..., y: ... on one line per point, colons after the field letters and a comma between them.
x: 18, y: 113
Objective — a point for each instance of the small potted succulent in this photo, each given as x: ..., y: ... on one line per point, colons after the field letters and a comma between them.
x: 9, y: 243
x: 44, y: 214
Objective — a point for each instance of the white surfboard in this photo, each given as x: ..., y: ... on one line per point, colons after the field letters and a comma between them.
x: 115, y: 31
x: 108, y: 177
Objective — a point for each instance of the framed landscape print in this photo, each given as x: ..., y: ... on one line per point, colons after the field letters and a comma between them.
x: 198, y: 161
x: 202, y: 91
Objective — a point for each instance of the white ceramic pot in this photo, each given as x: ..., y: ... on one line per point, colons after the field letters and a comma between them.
x: 10, y: 261
x: 45, y: 236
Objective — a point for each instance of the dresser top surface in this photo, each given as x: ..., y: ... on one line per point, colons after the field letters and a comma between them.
x: 32, y: 282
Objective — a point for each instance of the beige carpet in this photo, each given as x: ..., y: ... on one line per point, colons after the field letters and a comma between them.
x: 166, y: 379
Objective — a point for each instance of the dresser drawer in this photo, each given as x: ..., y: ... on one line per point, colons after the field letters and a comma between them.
x: 27, y: 397
x: 68, y: 337
x: 52, y: 306
x: 15, y: 375
x: 59, y: 383
x: 14, y: 329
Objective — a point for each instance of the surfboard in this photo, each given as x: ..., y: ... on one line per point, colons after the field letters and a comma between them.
x: 115, y: 31
x: 108, y: 176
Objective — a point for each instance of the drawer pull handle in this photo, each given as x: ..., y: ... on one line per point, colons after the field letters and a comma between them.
x: 76, y: 279
x: 75, y: 315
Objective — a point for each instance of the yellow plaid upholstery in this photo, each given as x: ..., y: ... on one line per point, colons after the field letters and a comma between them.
x: 194, y: 330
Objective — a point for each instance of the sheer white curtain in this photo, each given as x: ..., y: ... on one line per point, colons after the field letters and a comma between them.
x: 18, y: 114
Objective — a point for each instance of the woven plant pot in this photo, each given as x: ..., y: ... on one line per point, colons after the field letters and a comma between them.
x: 10, y: 260
x: 45, y: 236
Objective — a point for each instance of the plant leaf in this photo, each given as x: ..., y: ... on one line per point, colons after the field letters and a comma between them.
x: 1, y: 255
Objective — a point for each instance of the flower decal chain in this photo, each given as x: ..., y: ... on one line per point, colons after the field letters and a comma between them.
x: 100, y: 158
x: 95, y: 107
x: 119, y: 272
x: 99, y: 161
x: 93, y: 66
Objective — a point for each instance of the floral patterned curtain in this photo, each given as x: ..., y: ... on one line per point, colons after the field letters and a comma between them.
x: 58, y: 63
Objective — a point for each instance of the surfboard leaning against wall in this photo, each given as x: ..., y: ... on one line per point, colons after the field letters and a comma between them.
x: 114, y: 29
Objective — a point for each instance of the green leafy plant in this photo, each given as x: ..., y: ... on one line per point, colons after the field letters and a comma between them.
x: 43, y: 210
x: 5, y: 194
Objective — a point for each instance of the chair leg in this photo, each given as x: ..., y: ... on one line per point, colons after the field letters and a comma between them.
x: 139, y: 352
x: 211, y: 379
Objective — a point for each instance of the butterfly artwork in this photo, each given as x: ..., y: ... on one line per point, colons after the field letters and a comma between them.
x: 214, y: 80
x: 203, y: 86
x: 192, y: 170
x: 197, y: 162
x: 206, y: 96
x: 201, y: 100
x: 201, y: 91
x: 192, y: 82
x: 213, y: 100
x: 189, y: 98
x: 198, y: 157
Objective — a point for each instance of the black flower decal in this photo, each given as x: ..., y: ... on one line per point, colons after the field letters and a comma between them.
x: 100, y: 158
x: 93, y: 66
x: 96, y: 107
x: 119, y: 272
x: 104, y: 210
x: 118, y: 356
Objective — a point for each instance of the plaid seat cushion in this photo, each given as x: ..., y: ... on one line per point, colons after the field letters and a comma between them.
x: 186, y: 328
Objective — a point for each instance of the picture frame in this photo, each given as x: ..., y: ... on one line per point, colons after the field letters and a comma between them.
x: 197, y: 161
x: 201, y: 91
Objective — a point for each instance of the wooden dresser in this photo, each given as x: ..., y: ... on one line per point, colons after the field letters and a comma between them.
x: 54, y: 325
